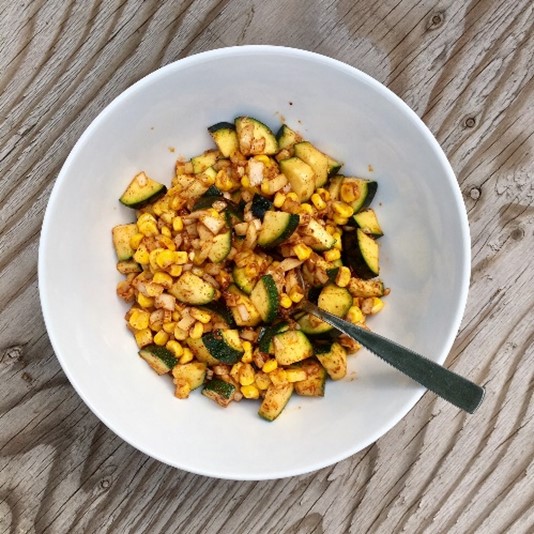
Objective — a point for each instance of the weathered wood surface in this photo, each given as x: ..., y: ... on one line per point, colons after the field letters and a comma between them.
x: 467, y: 69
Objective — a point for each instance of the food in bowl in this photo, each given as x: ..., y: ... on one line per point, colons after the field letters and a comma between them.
x: 217, y: 265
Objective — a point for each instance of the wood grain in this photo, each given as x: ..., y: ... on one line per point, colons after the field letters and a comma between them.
x: 467, y: 69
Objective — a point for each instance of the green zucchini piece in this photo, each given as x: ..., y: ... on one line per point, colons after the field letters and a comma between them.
x: 266, y: 334
x: 291, y: 346
x: 204, y: 161
x: 368, y: 222
x: 190, y: 186
x: 200, y: 351
x: 121, y: 235
x: 219, y: 307
x: 361, y: 254
x: 318, y: 238
x: 128, y: 267
x: 220, y: 247
x: 275, y: 400
x: 244, y: 312
x: 255, y: 137
x: 335, y: 186
x: 366, y: 288
x: 213, y: 191
x: 191, y: 289
x: 315, y: 159
x: 333, y: 358
x: 364, y: 190
x: 336, y: 300
x: 333, y: 166
x: 276, y: 228
x: 187, y: 377
x: 220, y: 391
x: 287, y: 137
x: 310, y: 325
x: 314, y: 385
x: 332, y: 273
x: 260, y: 206
x: 224, y: 345
x: 242, y: 280
x: 159, y: 358
x: 265, y: 298
x: 300, y: 176
x: 141, y: 191
x: 225, y: 137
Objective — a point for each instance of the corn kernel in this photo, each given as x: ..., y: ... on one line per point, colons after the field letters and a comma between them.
x: 269, y: 366
x: 245, y: 182
x: 247, y: 354
x: 145, y: 302
x: 265, y: 188
x: 323, y: 193
x: 161, y: 338
x: 196, y: 331
x: 285, y: 301
x: 337, y: 237
x: 318, y: 202
x: 153, y: 290
x: 246, y: 374
x: 302, y: 251
x: 250, y: 392
x: 332, y: 255
x: 141, y: 255
x: 167, y: 241
x: 278, y: 377
x: 176, y: 315
x: 340, y: 221
x: 355, y: 315
x: 143, y: 337
x: 180, y: 257
x: 180, y: 334
x: 263, y: 159
x: 175, y: 348
x: 223, y: 181
x: 165, y: 230
x: 165, y: 258
x: 262, y: 380
x: 153, y: 257
x: 378, y: 304
x: 349, y: 192
x: 162, y: 279
x: 135, y: 240
x: 296, y: 375
x: 139, y: 320
x: 200, y: 315
x: 306, y: 208
x: 296, y: 294
x: 343, y: 277
x: 169, y: 327
x: 292, y: 196
x: 167, y: 217
x: 342, y: 209
x: 187, y: 355
x: 146, y: 218
x: 148, y: 228
x: 177, y: 224
x: 175, y: 270
x: 177, y: 203
x: 279, y: 200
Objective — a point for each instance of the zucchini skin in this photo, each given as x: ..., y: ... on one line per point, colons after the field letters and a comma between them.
x: 266, y: 298
x: 260, y: 205
x: 354, y: 258
x: 220, y: 349
x: 275, y: 400
x: 220, y: 391
x: 293, y: 221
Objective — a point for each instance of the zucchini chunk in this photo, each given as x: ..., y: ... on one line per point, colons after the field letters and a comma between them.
x: 300, y: 176
x: 219, y: 308
x: 224, y: 345
x: 244, y: 312
x: 275, y: 400
x: 221, y: 246
x: 121, y: 235
x: 191, y: 289
x: 265, y: 298
x: 333, y: 358
x: 260, y: 206
x: 276, y: 228
x: 204, y: 161
x: 220, y: 391
x: 128, y: 267
x: 333, y: 166
x: 266, y: 334
x: 334, y: 299
x: 287, y: 137
x: 368, y: 222
x: 318, y: 238
x: 361, y: 254
x: 225, y: 137
x: 142, y: 190
x: 313, y: 386
x: 363, y: 192
x: 200, y: 351
x: 291, y: 347
x: 159, y: 358
x: 313, y: 326
x: 367, y: 288
x: 255, y: 137
x: 187, y: 377
x: 242, y: 280
x: 315, y: 159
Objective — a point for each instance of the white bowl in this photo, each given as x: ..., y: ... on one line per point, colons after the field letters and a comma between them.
x: 425, y: 256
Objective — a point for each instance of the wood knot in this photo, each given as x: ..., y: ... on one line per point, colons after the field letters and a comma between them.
x: 435, y: 20
x: 518, y: 233
x: 105, y: 483
x: 475, y: 193
x: 470, y: 122
x: 12, y: 354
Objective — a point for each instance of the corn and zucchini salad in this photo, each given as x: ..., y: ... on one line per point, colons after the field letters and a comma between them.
x: 215, y: 267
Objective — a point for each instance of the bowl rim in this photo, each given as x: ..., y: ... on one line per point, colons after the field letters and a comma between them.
x: 248, y: 50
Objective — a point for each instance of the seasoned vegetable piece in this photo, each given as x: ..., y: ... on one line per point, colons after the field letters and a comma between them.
x: 368, y: 222
x: 333, y: 166
x: 260, y: 205
x: 275, y: 400
x: 366, y: 288
x: 204, y: 161
x: 313, y: 386
x: 277, y: 227
x: 224, y: 345
x: 159, y: 358
x: 315, y: 159
x: 122, y: 235
x: 360, y: 253
x: 243, y: 280
x: 266, y: 334
x: 291, y: 346
x: 220, y: 248
x: 141, y: 191
x: 357, y: 192
x: 225, y: 137
x: 300, y: 176
x: 220, y: 391
x: 187, y: 377
x: 244, y: 311
x: 191, y: 289
x: 254, y: 137
x: 334, y: 299
x: 319, y: 239
x: 265, y: 298
x: 333, y: 358
x: 287, y: 137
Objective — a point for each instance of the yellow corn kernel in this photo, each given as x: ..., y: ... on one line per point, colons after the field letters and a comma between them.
x: 176, y: 315
x: 165, y: 258
x: 175, y: 270
x: 246, y: 374
x: 296, y: 294
x: 269, y: 366
x: 262, y: 380
x: 250, y: 392
x: 331, y: 229
x: 223, y: 181
x: 265, y: 188
x: 177, y: 224
x: 378, y: 304
x: 180, y: 334
x: 163, y: 279
x: 296, y: 375
x: 175, y: 348
x: 187, y: 355
x: 342, y: 209
x: 144, y: 302
x: 143, y: 337
x: 167, y: 217
x: 166, y: 240
x: 349, y: 192
x: 180, y: 257
x: 343, y: 277
x: 323, y: 193
x: 161, y: 338
x: 332, y: 255
x: 263, y: 158
x: 141, y: 255
x: 306, y: 208
x: 200, y: 315
x: 247, y: 354
x: 292, y: 196
x: 136, y: 239
x: 279, y: 200
x: 196, y: 331
x: 302, y: 251
x: 245, y: 182
x: 169, y: 327
x: 234, y: 371
x: 318, y: 202
x: 166, y: 231
x: 278, y: 377
x: 153, y: 257
x: 153, y: 290
x: 340, y: 221
x: 177, y: 203
x: 139, y: 319
x: 355, y: 315
x: 285, y: 301
x: 337, y: 237
x: 148, y: 228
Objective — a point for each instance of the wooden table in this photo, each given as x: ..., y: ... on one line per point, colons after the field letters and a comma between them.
x: 466, y: 67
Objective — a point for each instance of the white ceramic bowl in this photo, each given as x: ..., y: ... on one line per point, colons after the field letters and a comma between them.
x: 425, y: 256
